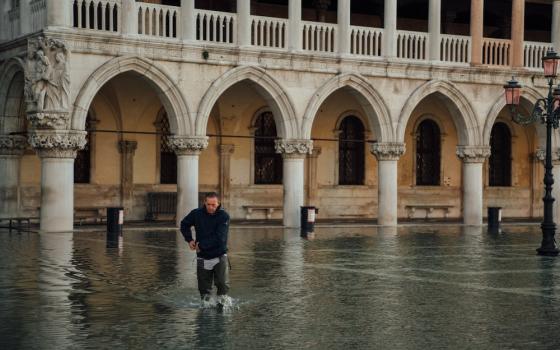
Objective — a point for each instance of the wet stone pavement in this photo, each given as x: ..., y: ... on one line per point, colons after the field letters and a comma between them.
x: 412, y: 287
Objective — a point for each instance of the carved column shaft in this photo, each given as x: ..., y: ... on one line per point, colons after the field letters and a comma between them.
x: 473, y: 157
x: 312, y: 186
x: 127, y: 150
x: 225, y: 172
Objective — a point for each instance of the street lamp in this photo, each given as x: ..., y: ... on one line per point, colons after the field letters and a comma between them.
x: 548, y: 112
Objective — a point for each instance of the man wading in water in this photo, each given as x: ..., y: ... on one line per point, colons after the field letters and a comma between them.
x: 211, y: 224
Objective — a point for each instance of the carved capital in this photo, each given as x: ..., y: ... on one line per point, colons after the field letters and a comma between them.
x: 187, y: 145
x: 226, y: 149
x: 388, y: 150
x: 294, y: 148
x: 55, y: 120
x: 127, y: 147
x: 12, y: 145
x: 473, y: 154
x: 57, y: 143
x: 540, y: 155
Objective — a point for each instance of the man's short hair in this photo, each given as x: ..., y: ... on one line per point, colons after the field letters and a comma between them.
x: 211, y: 195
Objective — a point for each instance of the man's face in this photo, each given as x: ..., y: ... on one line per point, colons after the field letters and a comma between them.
x: 211, y: 204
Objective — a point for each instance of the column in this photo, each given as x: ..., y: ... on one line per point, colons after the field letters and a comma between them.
x: 244, y: 22
x: 188, y: 22
x: 477, y: 30
x: 434, y: 28
x: 293, y: 153
x: 58, y: 13
x: 517, y: 32
x: 11, y: 151
x: 343, y: 26
x: 127, y: 150
x: 473, y: 157
x: 226, y: 151
x: 129, y: 17
x: 387, y: 155
x: 312, y: 176
x: 389, y: 47
x: 57, y: 150
x: 188, y: 149
x: 555, y: 33
x: 294, y: 17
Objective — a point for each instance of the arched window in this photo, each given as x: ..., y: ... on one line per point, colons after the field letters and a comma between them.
x: 351, y: 152
x: 428, y: 153
x: 82, y: 163
x: 167, y: 158
x: 268, y: 163
x: 500, y: 156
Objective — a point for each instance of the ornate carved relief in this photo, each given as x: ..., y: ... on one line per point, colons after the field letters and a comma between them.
x: 294, y: 148
x: 185, y: 145
x: 388, y: 150
x: 11, y: 145
x: 540, y: 155
x: 57, y: 144
x: 473, y: 154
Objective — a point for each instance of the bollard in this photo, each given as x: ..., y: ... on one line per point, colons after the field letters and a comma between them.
x: 308, y: 215
x: 494, y: 218
x: 115, y: 219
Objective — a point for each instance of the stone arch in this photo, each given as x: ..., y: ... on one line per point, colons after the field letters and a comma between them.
x: 12, y: 84
x: 168, y: 92
x: 378, y: 115
x: 272, y: 92
x: 464, y: 117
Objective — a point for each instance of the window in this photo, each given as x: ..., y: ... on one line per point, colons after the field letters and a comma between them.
x: 167, y: 158
x: 268, y: 163
x: 82, y: 163
x: 351, y: 152
x: 500, y: 156
x: 428, y: 152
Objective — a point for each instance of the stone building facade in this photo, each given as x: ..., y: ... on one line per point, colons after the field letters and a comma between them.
x: 380, y: 110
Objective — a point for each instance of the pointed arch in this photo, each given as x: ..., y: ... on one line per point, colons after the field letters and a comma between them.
x: 464, y: 117
x: 11, y: 71
x: 378, y: 116
x: 273, y: 93
x: 168, y: 92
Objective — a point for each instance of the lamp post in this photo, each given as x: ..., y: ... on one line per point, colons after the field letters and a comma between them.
x: 546, y: 111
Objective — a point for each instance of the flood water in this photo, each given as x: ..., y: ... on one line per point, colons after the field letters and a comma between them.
x: 415, y: 287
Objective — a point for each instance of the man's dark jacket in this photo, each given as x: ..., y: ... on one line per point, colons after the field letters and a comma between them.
x: 211, y: 231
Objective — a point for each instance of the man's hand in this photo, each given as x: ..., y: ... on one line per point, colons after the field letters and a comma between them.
x: 193, y: 245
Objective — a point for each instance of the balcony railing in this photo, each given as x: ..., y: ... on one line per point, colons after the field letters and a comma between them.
x: 366, y: 41
x: 533, y: 53
x: 38, y: 14
x: 496, y: 52
x: 157, y: 20
x: 412, y: 45
x: 269, y: 32
x: 216, y: 27
x: 102, y: 15
x: 319, y: 37
x: 455, y: 48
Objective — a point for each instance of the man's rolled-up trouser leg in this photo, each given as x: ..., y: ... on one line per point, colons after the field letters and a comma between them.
x: 204, y: 278
x: 221, y: 278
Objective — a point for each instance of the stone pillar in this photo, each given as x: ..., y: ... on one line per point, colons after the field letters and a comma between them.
x: 58, y: 13
x: 129, y: 17
x: 57, y: 150
x: 188, y: 21
x: 343, y: 26
x: 387, y: 155
x: 293, y: 153
x: 11, y: 151
x: 477, y: 30
x: 312, y: 176
x: 517, y: 32
x: 225, y: 172
x: 244, y: 22
x: 435, y: 29
x: 555, y: 33
x: 127, y: 150
x: 295, y: 35
x: 188, y: 150
x: 389, y: 47
x: 473, y: 157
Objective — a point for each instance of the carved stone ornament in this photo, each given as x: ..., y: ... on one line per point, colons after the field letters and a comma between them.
x: 540, y: 155
x: 187, y: 145
x: 47, y: 82
x: 388, y: 150
x: 12, y: 145
x: 473, y: 154
x: 57, y: 144
x: 294, y: 148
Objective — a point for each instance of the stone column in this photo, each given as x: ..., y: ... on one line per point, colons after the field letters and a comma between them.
x: 244, y: 23
x: 473, y: 157
x: 293, y: 153
x: 58, y: 13
x: 57, y: 150
x: 294, y: 15
x: 387, y: 155
x: 555, y: 33
x: 517, y: 32
x: 312, y: 176
x: 477, y: 30
x: 435, y: 29
x: 389, y: 47
x: 127, y: 150
x: 188, y: 150
x: 11, y: 151
x: 225, y: 172
x: 343, y: 26
x: 129, y: 17
x: 188, y: 21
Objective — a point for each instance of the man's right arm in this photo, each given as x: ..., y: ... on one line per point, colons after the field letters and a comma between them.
x: 186, y: 224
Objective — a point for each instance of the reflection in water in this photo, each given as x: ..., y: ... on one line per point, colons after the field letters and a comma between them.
x: 398, y: 288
